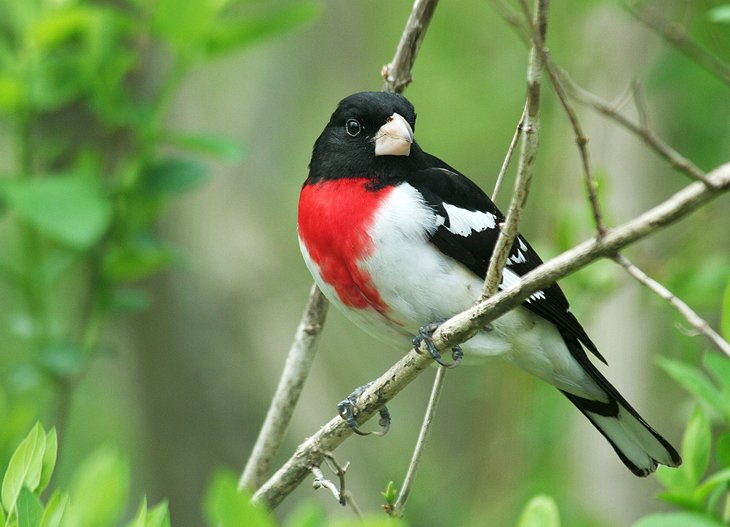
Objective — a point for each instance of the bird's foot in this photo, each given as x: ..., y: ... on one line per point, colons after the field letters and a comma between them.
x: 425, y: 334
x: 346, y: 410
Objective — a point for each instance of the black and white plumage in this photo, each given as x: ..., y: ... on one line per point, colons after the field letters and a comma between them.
x: 397, y: 239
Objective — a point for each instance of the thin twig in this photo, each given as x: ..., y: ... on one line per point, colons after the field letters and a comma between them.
x: 433, y: 401
x: 581, y: 139
x: 676, y: 35
x: 457, y: 329
x: 687, y: 312
x: 508, y: 157
x: 646, y: 134
x: 296, y: 369
x: 583, y: 96
x: 346, y: 497
x: 525, y: 168
x: 397, y: 73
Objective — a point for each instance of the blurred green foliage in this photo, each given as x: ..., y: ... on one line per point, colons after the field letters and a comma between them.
x: 96, y: 144
x: 91, y: 167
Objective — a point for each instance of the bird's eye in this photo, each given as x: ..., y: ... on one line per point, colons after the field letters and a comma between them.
x: 353, y: 127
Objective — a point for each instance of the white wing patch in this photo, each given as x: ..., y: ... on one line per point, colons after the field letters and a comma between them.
x: 463, y: 222
x: 510, y: 279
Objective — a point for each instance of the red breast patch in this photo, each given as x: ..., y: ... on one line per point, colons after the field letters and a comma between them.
x: 334, y: 218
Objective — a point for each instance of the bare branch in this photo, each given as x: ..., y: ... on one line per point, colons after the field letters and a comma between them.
x: 397, y: 73
x: 676, y: 35
x: 525, y: 168
x: 433, y: 401
x: 508, y: 157
x: 583, y: 96
x: 455, y: 330
x: 296, y: 369
x: 687, y: 312
x: 674, y: 158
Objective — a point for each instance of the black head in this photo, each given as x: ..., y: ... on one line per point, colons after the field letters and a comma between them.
x: 370, y: 134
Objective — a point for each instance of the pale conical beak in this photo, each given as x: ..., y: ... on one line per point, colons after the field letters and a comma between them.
x: 394, y: 138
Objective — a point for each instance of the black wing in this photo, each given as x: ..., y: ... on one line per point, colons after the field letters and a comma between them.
x: 452, y: 195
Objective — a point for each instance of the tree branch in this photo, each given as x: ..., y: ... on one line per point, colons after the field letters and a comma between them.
x: 296, y: 370
x: 453, y: 331
x: 528, y: 152
x: 696, y: 321
x: 397, y: 73
x: 646, y: 134
x: 676, y: 35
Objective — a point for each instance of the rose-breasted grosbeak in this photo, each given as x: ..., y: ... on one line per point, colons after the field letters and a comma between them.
x: 397, y: 239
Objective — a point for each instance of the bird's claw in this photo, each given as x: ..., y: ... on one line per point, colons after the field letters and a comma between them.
x: 425, y: 334
x: 346, y: 410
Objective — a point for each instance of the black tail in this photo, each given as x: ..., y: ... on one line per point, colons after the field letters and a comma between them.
x: 636, y: 443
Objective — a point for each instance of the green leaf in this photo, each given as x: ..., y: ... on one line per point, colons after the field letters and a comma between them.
x: 30, y: 510
x: 225, y: 506
x: 696, y: 446
x: 677, y: 519
x: 159, y: 516
x: 49, y: 459
x: 710, y: 484
x: 210, y: 144
x: 719, y: 366
x: 69, y: 209
x: 697, y: 383
x: 24, y: 469
x: 55, y: 509
x: 228, y: 35
x: 172, y: 176
x: 540, y: 511
x: 183, y: 24
x: 720, y: 14
x: 725, y: 315
x: 722, y: 450
x: 63, y: 360
x: 307, y: 514
x: 390, y: 493
x: 138, y: 258
x: 2, y: 517
x: 99, y: 490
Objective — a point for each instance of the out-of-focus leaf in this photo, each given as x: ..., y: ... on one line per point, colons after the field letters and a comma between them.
x: 720, y: 14
x: 710, y: 484
x: 307, y: 514
x: 24, y: 469
x: 209, y: 144
x: 157, y: 517
x: 55, y: 509
x: 722, y: 450
x: 184, y: 24
x: 99, y: 490
x: 228, y: 35
x: 172, y: 176
x: 696, y: 446
x: 719, y: 366
x: 29, y: 509
x: 677, y: 519
x: 129, y: 300
x: 62, y: 360
x: 725, y: 315
x: 49, y: 459
x: 698, y: 384
x: 540, y: 511
x: 12, y: 94
x: 141, y: 256
x: 69, y: 209
x: 225, y: 506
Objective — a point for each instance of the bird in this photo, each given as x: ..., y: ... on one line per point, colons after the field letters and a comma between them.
x: 399, y: 241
